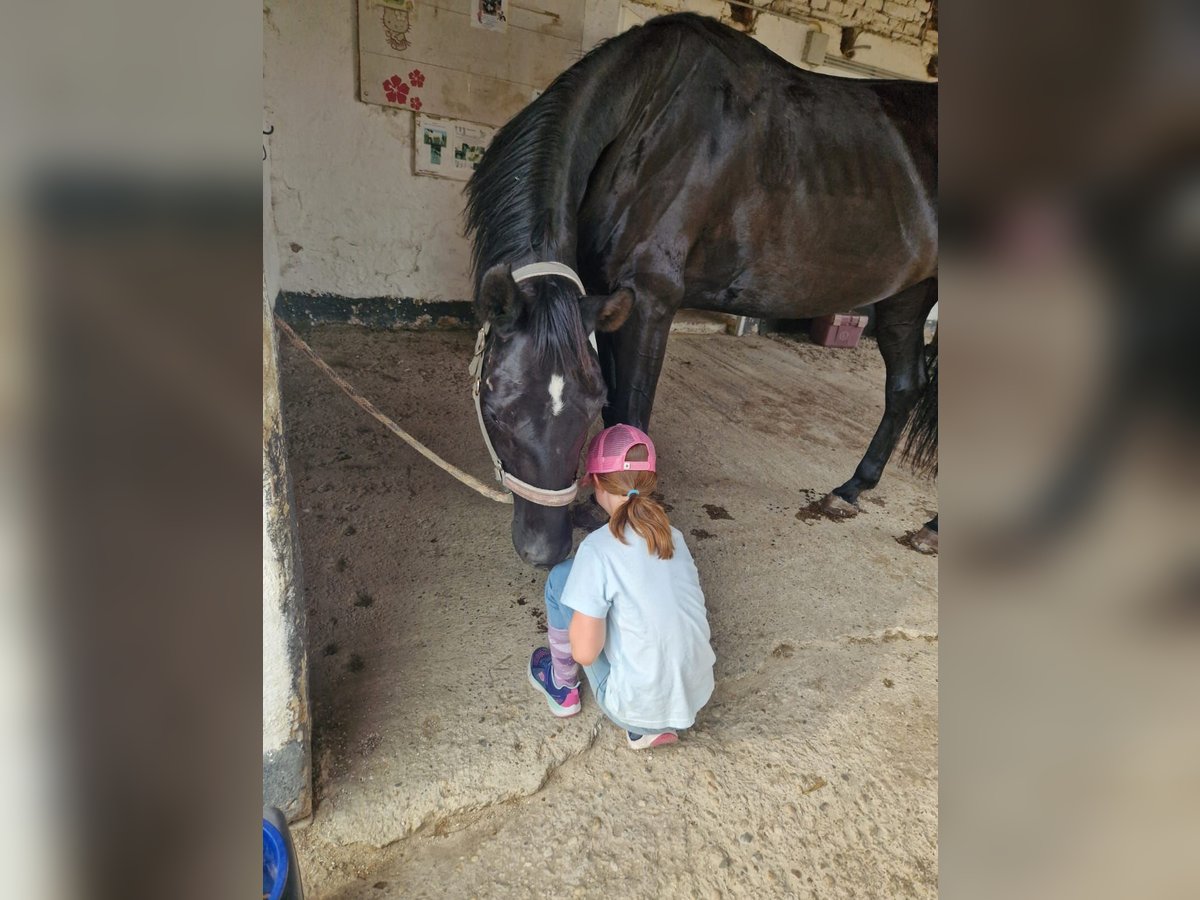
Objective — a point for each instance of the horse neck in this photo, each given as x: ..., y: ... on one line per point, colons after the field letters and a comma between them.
x: 552, y: 148
x: 594, y: 118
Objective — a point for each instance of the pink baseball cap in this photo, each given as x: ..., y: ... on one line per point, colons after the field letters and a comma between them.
x: 609, y: 448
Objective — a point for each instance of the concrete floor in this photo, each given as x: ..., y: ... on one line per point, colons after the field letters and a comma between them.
x: 440, y: 773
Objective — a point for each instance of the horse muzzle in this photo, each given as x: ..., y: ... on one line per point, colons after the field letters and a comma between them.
x: 541, y: 536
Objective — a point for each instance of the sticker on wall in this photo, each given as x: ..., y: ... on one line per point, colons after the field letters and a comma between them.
x: 490, y: 14
x: 397, y: 21
x: 402, y: 90
x: 449, y: 148
x: 464, y: 72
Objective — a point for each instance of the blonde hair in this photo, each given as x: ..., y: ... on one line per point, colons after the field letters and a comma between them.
x: 648, y: 518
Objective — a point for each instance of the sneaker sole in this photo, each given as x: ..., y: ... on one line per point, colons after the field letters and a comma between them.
x: 559, y: 712
x: 646, y: 742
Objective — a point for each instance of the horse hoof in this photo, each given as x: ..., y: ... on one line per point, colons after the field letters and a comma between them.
x: 588, y: 515
x: 925, y: 541
x: 837, y: 508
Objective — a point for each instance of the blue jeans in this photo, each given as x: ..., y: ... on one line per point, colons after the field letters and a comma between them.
x: 559, y: 616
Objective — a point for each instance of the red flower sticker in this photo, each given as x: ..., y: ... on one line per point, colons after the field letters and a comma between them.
x: 415, y: 103
x: 417, y: 78
x: 396, y: 90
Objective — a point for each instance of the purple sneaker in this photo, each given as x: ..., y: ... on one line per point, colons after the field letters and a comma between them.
x: 563, y: 701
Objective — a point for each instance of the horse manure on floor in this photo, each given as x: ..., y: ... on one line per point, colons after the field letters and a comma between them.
x: 811, y: 512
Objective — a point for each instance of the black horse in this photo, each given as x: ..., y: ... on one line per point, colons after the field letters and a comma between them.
x: 684, y: 164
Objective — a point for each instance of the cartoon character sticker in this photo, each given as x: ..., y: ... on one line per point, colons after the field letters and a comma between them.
x: 397, y: 21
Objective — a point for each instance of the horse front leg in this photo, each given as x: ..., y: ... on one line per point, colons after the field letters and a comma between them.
x: 899, y: 330
x: 631, y: 361
x: 638, y: 350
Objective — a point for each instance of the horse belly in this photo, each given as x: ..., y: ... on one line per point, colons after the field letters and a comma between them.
x: 809, y: 265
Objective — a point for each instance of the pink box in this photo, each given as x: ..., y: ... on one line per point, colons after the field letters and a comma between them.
x: 837, y: 331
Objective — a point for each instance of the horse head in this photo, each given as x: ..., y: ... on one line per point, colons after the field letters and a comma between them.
x: 540, y: 388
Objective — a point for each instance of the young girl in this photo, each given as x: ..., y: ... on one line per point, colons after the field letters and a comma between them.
x: 628, y: 607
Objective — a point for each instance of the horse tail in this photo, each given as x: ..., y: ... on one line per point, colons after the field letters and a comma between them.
x: 921, y: 444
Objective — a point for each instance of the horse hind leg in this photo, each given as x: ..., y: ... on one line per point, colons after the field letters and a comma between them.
x: 923, y: 540
x: 899, y: 331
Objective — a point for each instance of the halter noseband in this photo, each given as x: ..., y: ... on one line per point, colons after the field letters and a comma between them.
x: 522, y: 489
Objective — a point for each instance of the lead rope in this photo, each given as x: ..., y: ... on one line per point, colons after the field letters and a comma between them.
x: 469, y: 480
x: 522, y: 489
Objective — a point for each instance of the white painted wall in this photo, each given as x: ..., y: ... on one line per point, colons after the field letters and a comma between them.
x: 285, y: 686
x: 286, y: 744
x: 349, y: 216
x: 276, y: 672
x: 278, y: 717
x: 270, y: 243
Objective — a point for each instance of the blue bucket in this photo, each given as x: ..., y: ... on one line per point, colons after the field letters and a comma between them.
x: 275, y: 862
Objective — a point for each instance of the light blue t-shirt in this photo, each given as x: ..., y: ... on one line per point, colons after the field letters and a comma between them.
x: 657, y: 641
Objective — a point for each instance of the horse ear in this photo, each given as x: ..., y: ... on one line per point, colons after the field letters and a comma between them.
x: 606, y: 313
x: 498, y: 294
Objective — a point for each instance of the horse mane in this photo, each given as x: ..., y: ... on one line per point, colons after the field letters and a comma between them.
x: 510, y: 213
x: 510, y: 196
x: 505, y: 214
x: 515, y: 193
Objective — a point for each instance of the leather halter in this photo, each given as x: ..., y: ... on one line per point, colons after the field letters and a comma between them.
x: 522, y: 489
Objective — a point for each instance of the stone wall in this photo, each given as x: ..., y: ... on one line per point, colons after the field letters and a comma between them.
x: 898, y: 35
x: 906, y: 21
x: 895, y: 38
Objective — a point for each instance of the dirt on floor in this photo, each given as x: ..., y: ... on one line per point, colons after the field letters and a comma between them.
x: 438, y: 770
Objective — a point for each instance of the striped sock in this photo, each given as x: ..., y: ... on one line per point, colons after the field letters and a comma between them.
x: 566, y: 670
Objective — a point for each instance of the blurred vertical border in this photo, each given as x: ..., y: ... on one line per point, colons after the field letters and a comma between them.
x: 1070, y: 557
x: 130, y: 210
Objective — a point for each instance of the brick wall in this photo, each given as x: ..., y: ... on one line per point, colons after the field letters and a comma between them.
x: 906, y: 21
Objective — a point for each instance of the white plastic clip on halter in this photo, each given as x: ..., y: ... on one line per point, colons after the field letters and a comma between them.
x: 522, y: 489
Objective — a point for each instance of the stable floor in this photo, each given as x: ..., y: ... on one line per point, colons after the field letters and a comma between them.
x: 440, y: 773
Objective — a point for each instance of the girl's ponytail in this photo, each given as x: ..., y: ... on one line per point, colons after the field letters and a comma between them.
x: 646, y: 516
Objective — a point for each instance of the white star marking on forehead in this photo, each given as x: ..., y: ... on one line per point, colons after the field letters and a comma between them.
x: 556, y: 389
